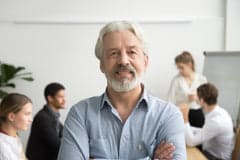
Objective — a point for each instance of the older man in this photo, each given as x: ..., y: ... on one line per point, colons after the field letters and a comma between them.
x: 125, y: 122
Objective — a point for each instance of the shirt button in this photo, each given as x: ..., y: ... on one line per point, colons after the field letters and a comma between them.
x: 140, y: 147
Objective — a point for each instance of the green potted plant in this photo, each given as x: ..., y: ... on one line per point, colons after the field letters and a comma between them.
x: 8, y: 73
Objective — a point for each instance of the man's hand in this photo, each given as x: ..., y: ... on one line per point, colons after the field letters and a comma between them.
x: 185, y: 111
x: 164, y: 151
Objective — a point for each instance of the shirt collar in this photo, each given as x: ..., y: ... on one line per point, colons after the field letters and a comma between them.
x: 143, y: 101
x: 50, y: 110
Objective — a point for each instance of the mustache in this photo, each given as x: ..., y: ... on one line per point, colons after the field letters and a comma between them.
x: 121, y: 68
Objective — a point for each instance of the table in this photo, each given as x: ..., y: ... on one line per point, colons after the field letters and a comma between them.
x: 194, y: 153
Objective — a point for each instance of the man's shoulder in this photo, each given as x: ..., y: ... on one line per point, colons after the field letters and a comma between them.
x: 42, y: 114
x: 88, y: 103
x: 85, y: 108
x: 220, y: 118
x: 161, y: 108
x: 157, y: 103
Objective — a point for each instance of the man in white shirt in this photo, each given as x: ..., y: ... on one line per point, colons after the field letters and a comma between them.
x: 216, y: 136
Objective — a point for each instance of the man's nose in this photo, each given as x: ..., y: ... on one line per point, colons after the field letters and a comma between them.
x: 123, y: 59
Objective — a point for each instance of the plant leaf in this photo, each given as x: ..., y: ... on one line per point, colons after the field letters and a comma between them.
x: 8, y: 72
x: 10, y: 85
x: 3, y: 93
x: 23, y: 74
x: 18, y: 69
x: 27, y: 78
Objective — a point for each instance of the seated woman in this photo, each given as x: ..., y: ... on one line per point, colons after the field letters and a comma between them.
x: 15, y: 115
x: 216, y: 136
x: 182, y: 91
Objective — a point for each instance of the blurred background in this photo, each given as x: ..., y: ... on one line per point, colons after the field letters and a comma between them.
x: 55, y: 40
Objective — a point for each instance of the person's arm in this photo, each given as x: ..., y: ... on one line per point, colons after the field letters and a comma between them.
x: 196, y: 137
x: 75, y: 141
x: 172, y: 131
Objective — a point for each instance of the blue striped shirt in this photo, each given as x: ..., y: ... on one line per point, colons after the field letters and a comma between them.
x: 93, y: 129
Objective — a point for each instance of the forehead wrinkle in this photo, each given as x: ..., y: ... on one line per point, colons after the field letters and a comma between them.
x: 118, y: 40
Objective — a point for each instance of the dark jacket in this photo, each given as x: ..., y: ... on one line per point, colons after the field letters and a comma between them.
x: 45, y: 137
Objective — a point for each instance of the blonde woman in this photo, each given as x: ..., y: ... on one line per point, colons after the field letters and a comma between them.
x: 15, y: 115
x: 183, y: 88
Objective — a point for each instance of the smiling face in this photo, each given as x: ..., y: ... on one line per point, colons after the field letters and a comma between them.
x: 22, y: 119
x: 123, y: 61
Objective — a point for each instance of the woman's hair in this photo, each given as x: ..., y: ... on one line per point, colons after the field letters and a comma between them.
x: 117, y: 27
x: 208, y: 92
x: 13, y: 102
x: 185, y: 57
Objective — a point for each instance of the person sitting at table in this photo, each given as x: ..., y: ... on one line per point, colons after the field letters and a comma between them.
x: 184, y: 85
x: 216, y: 136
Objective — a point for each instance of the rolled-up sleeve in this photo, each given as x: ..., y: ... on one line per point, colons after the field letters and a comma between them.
x: 196, y: 137
x: 75, y: 141
x: 172, y: 131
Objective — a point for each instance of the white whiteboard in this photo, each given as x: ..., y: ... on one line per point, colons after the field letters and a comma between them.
x: 223, y: 70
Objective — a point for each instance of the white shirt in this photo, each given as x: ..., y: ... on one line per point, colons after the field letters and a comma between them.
x: 216, y: 135
x: 10, y: 148
x: 179, y: 90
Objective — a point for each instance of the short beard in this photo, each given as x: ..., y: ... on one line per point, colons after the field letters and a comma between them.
x: 124, y: 85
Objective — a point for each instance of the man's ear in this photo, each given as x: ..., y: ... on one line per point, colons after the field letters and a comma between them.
x: 102, y: 66
x: 11, y: 117
x: 201, y: 101
x: 49, y: 98
x: 146, y: 60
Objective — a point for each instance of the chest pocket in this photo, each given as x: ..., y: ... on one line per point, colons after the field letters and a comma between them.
x: 99, y: 147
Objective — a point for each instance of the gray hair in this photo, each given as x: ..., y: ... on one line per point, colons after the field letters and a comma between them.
x: 116, y: 27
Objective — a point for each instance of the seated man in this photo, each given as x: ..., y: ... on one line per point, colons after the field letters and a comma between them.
x: 216, y: 136
x: 125, y: 122
x: 46, y: 132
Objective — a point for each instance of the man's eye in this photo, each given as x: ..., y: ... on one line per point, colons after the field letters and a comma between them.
x: 114, y: 53
x: 133, y: 52
x: 28, y: 113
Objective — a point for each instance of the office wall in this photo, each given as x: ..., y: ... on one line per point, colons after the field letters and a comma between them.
x: 220, y: 73
x: 57, y: 50
x: 233, y: 25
